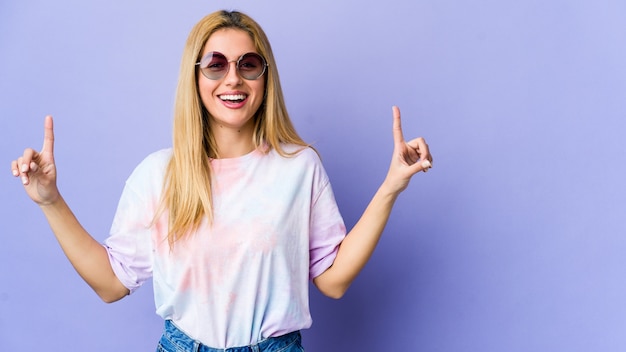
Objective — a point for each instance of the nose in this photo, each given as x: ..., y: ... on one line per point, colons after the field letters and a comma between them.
x: 232, y: 75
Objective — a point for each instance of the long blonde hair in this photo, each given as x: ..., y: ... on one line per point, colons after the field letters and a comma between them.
x: 187, y: 192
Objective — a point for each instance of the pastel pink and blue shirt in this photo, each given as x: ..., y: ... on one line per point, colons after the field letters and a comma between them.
x: 245, y: 277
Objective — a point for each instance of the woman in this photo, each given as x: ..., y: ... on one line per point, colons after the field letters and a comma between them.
x: 235, y: 219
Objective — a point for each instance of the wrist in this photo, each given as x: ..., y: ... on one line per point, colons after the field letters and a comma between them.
x: 390, y: 190
x: 391, y: 187
x: 51, y: 203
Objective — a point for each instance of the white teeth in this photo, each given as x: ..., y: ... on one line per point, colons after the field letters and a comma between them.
x: 233, y: 97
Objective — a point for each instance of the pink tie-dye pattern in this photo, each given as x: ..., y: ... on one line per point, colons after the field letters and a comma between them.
x: 244, y: 277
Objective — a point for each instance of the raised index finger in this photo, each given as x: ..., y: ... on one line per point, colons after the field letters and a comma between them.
x: 397, y: 126
x: 48, y: 136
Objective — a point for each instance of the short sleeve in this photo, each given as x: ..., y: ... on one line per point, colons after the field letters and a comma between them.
x: 327, y: 230
x: 129, y: 244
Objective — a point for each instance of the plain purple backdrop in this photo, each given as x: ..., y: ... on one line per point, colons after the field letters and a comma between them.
x: 515, y: 241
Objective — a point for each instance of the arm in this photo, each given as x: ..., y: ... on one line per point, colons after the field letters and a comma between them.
x: 90, y: 259
x: 357, y: 247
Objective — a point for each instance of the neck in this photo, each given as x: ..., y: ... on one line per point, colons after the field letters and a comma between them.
x: 233, y: 143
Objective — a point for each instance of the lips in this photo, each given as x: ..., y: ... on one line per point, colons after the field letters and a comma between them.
x: 233, y: 98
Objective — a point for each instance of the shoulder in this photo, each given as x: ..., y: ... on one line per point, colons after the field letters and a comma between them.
x: 152, y: 166
x: 300, y: 153
x: 302, y: 160
x: 159, y: 156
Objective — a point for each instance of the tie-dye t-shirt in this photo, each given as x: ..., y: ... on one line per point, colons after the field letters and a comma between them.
x: 246, y: 276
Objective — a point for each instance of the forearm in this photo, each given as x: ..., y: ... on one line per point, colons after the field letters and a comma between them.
x: 88, y: 256
x: 358, y: 246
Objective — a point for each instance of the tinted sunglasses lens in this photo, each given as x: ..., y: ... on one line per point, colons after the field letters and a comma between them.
x: 214, y: 65
x: 251, y: 66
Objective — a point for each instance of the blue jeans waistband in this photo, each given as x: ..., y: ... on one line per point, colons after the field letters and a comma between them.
x: 175, y: 340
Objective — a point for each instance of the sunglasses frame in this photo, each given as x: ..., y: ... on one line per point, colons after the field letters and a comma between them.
x: 205, y: 74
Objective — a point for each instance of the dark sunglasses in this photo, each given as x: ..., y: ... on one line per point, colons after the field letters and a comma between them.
x: 215, y: 65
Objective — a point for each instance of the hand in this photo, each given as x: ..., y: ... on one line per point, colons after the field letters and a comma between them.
x: 408, y: 158
x: 37, y: 170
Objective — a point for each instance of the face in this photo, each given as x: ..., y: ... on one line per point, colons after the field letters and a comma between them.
x: 232, y: 101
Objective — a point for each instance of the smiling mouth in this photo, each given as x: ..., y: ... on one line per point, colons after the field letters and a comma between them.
x: 233, y: 98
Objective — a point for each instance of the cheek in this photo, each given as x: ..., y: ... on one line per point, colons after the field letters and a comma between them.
x: 205, y: 90
x: 259, y: 91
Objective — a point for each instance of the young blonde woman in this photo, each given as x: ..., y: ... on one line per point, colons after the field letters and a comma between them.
x: 237, y: 217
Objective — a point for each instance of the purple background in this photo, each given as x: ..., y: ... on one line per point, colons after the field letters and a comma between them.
x: 515, y: 241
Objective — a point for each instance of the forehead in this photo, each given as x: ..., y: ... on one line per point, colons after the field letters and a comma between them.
x: 231, y: 42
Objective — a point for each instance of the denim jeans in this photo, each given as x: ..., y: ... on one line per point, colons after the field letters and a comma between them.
x: 174, y: 340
